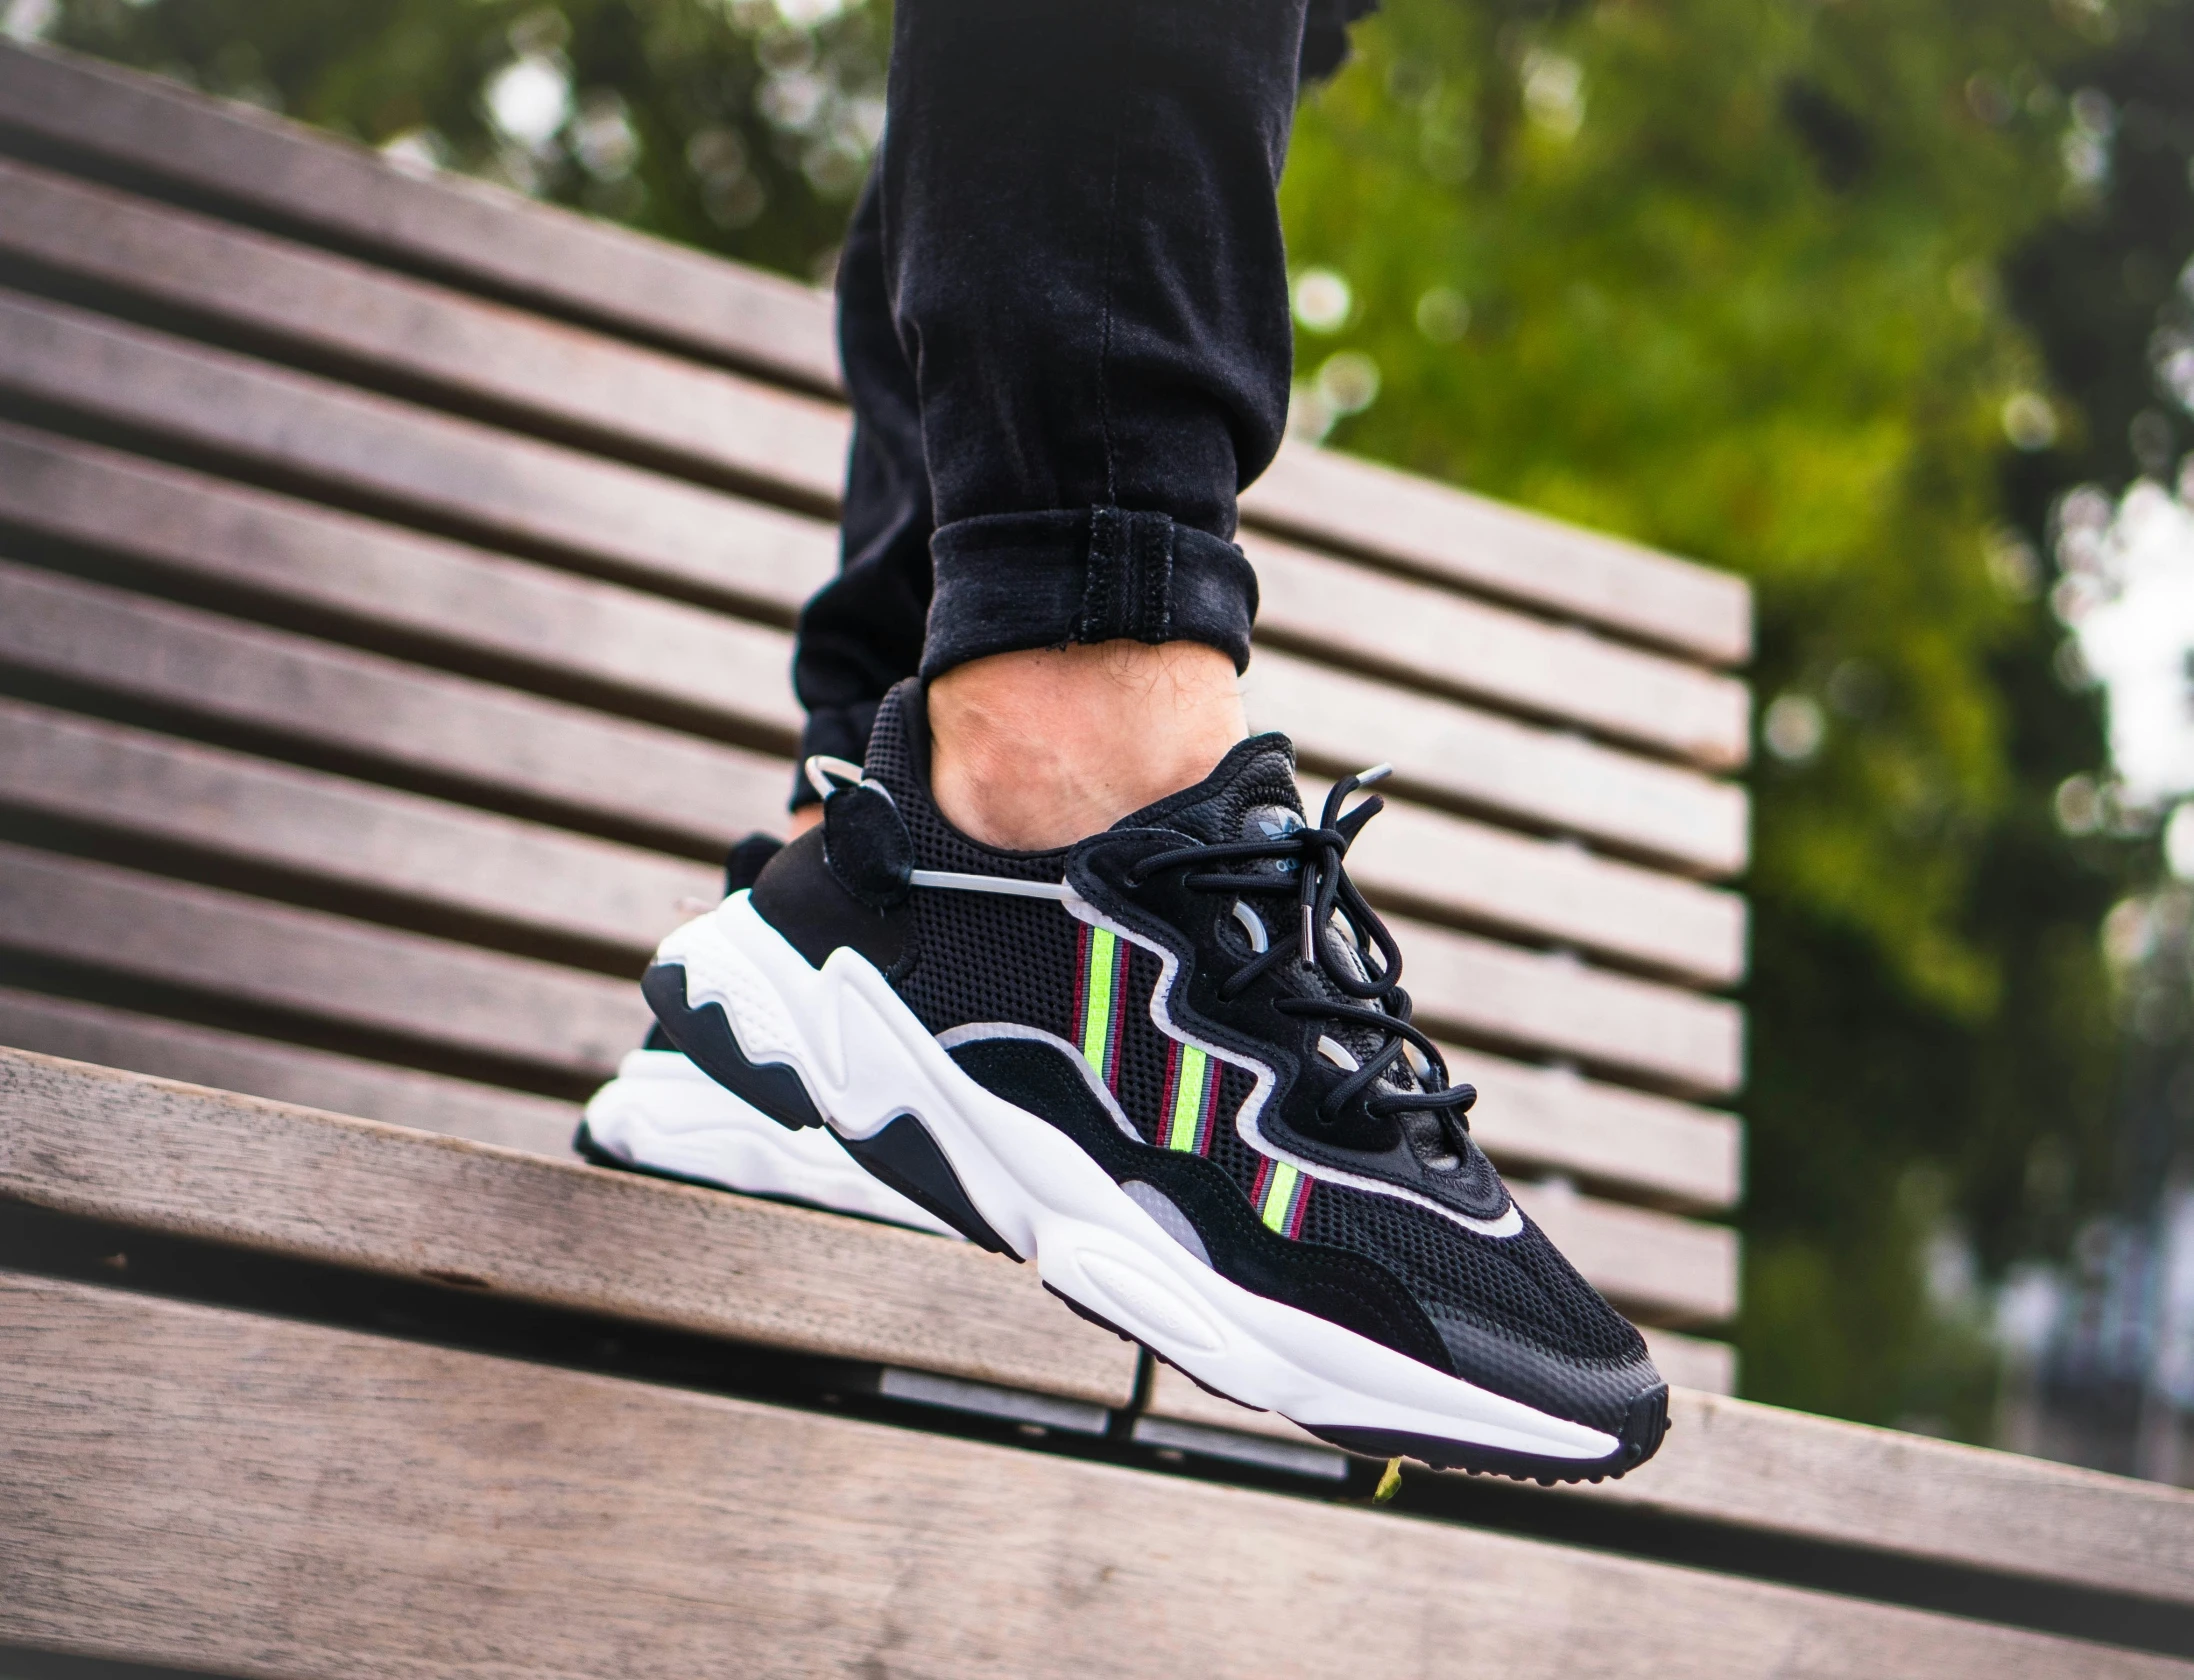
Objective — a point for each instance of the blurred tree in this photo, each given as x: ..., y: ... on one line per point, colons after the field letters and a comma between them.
x: 1722, y: 277
x: 1725, y: 278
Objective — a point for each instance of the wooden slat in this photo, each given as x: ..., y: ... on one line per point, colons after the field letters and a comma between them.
x: 514, y: 745
x: 516, y: 490
x: 1692, y: 1361
x: 559, y: 631
x: 648, y: 526
x: 329, y: 828
x: 1551, y: 1002
x: 1741, y: 1464
x: 1552, y: 1120
x: 289, y: 1181
x: 256, y: 1495
x: 1415, y: 857
x: 1432, y: 528
x: 1823, y: 1479
x: 478, y: 354
x: 651, y: 529
x: 1653, y: 1265
x: 316, y: 965
x: 362, y: 837
x: 553, y: 628
x: 318, y: 828
x: 1546, y: 778
x: 117, y: 1147
x: 1434, y: 637
x: 465, y: 229
x: 287, y: 1073
x: 230, y: 538
x: 567, y: 263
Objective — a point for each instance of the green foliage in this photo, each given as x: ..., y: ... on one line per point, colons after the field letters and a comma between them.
x: 1729, y: 278
x: 1721, y: 276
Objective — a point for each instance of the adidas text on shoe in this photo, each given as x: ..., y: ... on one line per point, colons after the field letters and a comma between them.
x: 1172, y: 1065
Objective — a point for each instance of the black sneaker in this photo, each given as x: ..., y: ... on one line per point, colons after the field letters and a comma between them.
x: 1171, y: 1065
x: 663, y: 1116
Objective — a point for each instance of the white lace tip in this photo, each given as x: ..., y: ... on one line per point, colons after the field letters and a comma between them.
x: 1310, y: 938
x: 1377, y: 773
x: 826, y: 775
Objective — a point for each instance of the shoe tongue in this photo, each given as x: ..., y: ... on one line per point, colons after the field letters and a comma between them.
x: 1250, y: 796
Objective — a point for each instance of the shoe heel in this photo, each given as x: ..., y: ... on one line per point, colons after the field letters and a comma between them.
x: 706, y: 1038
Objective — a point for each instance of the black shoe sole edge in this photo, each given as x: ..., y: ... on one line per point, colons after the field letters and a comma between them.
x: 1641, y: 1436
x: 706, y: 1038
x: 902, y: 1155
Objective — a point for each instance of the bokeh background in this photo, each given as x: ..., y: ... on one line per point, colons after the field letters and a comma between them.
x: 1886, y: 304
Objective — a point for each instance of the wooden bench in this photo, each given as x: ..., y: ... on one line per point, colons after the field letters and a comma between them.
x: 395, y: 586
x: 242, y: 1436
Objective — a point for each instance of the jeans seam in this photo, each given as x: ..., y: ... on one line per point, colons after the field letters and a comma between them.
x: 1112, y: 232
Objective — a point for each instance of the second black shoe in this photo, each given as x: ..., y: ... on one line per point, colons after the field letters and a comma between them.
x: 1173, y: 1066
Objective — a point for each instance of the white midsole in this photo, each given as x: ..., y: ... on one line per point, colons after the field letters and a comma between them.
x: 663, y: 1112
x: 865, y: 1060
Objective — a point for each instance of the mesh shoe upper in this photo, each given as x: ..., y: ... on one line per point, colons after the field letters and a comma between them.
x: 1330, y: 1207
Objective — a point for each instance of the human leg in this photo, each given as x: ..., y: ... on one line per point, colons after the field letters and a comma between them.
x: 1066, y: 964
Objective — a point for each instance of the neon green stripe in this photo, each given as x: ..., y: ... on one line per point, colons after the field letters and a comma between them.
x: 1188, y: 1099
x: 1277, y: 1195
x: 1097, y: 1011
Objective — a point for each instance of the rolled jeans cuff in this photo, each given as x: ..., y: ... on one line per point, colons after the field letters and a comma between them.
x: 1011, y: 581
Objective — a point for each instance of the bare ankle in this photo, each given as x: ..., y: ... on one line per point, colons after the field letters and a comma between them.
x: 1034, y: 750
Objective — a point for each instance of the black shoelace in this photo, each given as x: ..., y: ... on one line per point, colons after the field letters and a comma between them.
x: 1380, y: 1004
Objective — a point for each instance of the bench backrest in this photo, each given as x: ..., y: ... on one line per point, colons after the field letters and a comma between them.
x: 395, y: 589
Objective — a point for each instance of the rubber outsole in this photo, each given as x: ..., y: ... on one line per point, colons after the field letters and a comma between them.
x: 920, y: 1166
x: 1641, y: 1435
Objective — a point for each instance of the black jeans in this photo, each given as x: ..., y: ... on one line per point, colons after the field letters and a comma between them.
x: 1063, y: 314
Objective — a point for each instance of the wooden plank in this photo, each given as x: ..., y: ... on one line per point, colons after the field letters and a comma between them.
x: 331, y: 829
x: 359, y: 705
x: 269, y: 1497
x: 304, y: 823
x: 637, y: 525
x: 1553, y: 1120
x: 1552, y: 1002
x: 308, y: 825
x: 116, y: 1147
x: 1437, y: 639
x: 317, y: 828
x: 1414, y: 857
x: 557, y: 629
x: 1692, y: 1361
x: 1418, y: 525
x: 1821, y: 1478
x: 315, y: 965
x: 567, y: 264
x: 1544, y: 778
x: 1739, y: 1463
x: 286, y: 1073
x: 651, y: 527
x: 289, y: 1181
x: 1653, y: 1265
x: 467, y: 230
x: 370, y: 577
x: 476, y: 353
